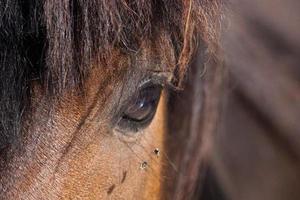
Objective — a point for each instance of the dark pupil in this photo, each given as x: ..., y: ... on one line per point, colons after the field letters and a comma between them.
x: 144, y: 105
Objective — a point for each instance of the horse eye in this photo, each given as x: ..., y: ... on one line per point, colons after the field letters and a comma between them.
x: 140, y: 110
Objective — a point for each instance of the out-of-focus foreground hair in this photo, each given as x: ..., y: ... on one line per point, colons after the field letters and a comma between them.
x: 249, y: 144
x: 257, y: 147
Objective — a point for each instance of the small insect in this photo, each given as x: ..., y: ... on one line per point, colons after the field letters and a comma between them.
x: 144, y: 165
x: 156, y: 151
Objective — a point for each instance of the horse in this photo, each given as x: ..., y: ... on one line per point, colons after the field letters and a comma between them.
x: 149, y: 99
x: 84, y: 94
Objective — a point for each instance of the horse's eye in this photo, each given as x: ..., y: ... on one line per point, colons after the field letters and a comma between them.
x: 140, y: 110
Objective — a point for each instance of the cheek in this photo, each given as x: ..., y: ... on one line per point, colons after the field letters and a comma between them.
x: 100, y: 165
x: 155, y: 135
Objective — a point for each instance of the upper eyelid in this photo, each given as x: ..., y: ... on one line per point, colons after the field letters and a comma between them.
x: 161, y: 77
x: 152, y: 80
